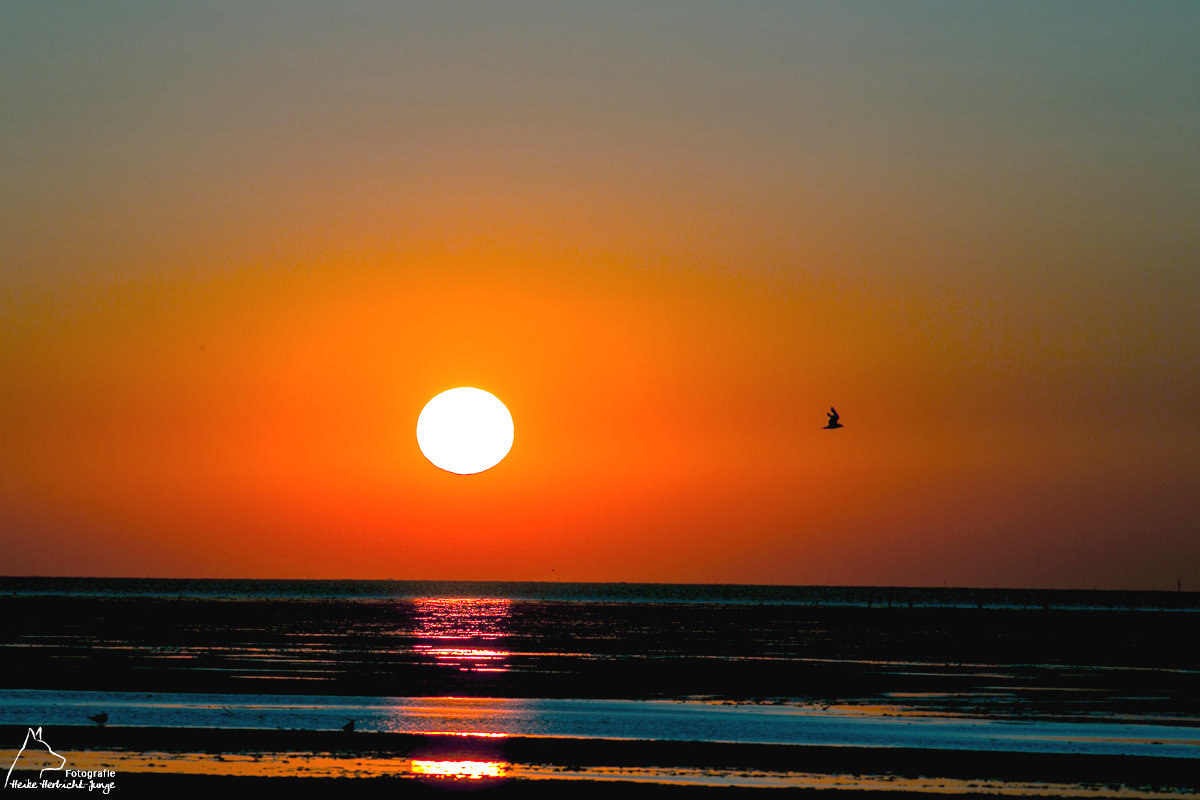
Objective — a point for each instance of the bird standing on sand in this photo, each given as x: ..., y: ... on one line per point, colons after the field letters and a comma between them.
x: 99, y: 719
x: 833, y: 420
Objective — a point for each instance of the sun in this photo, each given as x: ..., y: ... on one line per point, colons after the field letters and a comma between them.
x: 465, y: 430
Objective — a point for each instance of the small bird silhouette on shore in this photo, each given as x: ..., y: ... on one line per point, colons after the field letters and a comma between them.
x: 99, y: 719
x: 833, y: 420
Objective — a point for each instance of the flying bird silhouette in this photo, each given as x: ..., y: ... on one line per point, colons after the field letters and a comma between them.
x: 833, y: 420
x: 99, y: 719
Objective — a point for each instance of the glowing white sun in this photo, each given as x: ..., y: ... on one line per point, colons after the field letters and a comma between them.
x: 465, y: 430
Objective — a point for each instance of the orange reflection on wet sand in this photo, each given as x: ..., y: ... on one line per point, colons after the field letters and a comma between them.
x: 313, y: 765
x: 470, y: 770
x: 462, y: 631
x: 289, y: 765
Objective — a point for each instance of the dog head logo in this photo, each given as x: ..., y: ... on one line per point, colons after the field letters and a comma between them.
x: 35, y: 754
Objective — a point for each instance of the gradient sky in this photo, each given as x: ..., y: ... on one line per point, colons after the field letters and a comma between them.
x: 242, y: 244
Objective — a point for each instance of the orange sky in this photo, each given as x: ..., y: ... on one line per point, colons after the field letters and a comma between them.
x: 239, y: 255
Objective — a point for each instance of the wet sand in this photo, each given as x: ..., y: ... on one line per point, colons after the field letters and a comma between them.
x: 145, y: 758
x: 995, y: 664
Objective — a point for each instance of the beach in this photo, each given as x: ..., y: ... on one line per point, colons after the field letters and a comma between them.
x: 154, y: 757
x: 892, y: 692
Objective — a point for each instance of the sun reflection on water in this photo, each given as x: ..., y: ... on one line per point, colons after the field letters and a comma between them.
x: 462, y: 632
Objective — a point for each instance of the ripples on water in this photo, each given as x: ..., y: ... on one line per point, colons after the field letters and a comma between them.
x: 1016, y: 662
x: 1032, y: 672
